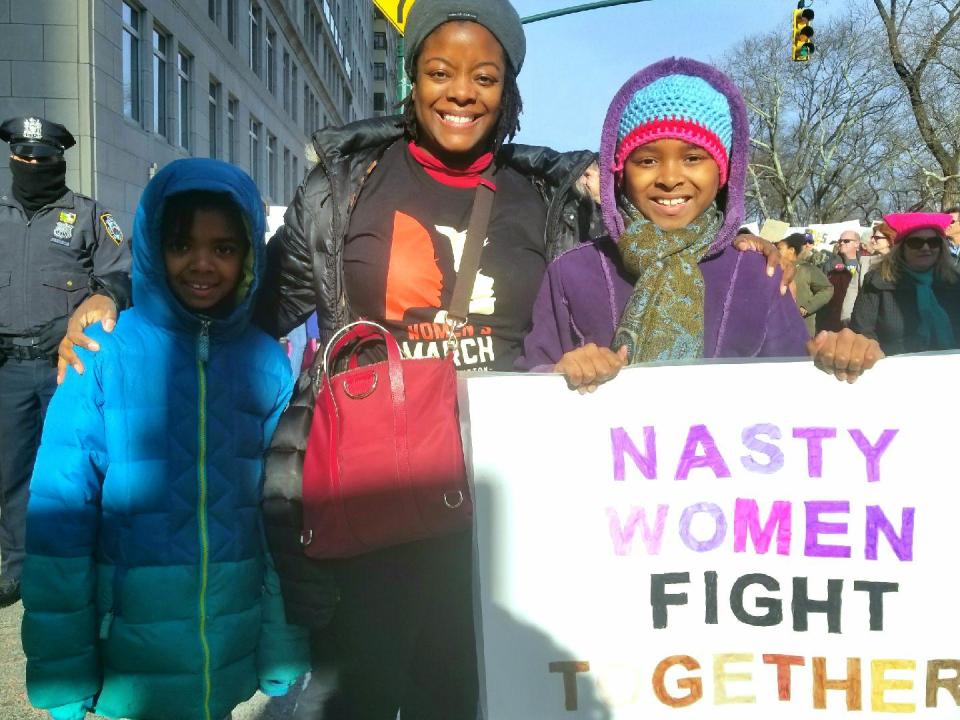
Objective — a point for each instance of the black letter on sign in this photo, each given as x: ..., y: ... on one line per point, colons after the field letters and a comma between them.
x: 803, y: 605
x: 659, y: 600
x: 400, y: 10
x: 773, y: 606
x: 876, y: 590
x: 569, y: 669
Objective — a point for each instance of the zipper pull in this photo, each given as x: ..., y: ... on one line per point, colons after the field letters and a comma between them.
x: 203, y: 342
x: 105, y: 625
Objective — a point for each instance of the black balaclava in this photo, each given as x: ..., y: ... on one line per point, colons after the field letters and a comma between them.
x: 36, y: 185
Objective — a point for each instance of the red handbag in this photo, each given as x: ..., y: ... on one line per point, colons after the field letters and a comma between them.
x: 384, y: 460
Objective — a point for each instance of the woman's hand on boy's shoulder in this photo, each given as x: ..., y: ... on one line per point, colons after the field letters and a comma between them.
x: 588, y: 367
x: 95, y: 309
x: 845, y: 354
x: 748, y: 242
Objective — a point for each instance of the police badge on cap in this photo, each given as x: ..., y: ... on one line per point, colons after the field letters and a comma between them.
x: 33, y: 137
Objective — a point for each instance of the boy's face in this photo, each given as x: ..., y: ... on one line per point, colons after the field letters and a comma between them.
x: 205, y: 261
x: 671, y: 182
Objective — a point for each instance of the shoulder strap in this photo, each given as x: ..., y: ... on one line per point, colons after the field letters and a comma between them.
x: 470, y: 260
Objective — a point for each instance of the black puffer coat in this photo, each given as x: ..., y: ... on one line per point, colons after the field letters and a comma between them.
x: 305, y: 273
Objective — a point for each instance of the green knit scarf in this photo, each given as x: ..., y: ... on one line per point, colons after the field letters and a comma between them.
x: 663, y: 319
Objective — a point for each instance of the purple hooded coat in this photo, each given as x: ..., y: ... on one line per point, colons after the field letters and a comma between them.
x: 585, y: 290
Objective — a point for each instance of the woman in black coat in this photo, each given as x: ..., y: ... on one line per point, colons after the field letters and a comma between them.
x: 910, y: 302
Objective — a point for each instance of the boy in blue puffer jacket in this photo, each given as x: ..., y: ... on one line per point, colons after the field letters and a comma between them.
x: 147, y: 590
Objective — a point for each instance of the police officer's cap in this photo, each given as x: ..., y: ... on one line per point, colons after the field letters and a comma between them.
x: 33, y: 137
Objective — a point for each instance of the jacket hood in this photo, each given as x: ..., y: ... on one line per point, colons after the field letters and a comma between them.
x: 151, y: 293
x: 731, y: 196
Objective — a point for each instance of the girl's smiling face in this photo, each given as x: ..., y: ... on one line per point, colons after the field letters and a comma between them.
x: 458, y: 91
x: 671, y: 182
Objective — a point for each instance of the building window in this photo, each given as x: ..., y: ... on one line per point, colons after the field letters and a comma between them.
x: 183, y: 91
x: 379, y: 71
x: 307, y: 106
x: 296, y: 177
x: 294, y: 110
x: 160, y: 43
x: 379, y: 102
x: 213, y: 11
x: 255, y: 18
x: 213, y: 98
x: 233, y: 110
x: 131, y: 61
x: 232, y: 21
x: 272, y: 167
x: 287, y: 177
x: 271, y: 61
x: 254, y: 134
x: 379, y: 41
x: 286, y: 81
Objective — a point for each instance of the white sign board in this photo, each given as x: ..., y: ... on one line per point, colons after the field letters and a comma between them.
x: 721, y: 541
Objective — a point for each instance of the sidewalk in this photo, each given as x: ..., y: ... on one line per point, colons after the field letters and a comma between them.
x: 13, y: 699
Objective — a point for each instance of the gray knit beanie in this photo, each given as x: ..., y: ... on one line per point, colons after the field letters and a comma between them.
x: 497, y: 16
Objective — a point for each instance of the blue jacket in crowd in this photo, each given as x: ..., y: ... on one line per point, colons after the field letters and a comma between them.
x: 147, y: 589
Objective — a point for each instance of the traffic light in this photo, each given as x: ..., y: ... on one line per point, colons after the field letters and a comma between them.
x: 802, y: 33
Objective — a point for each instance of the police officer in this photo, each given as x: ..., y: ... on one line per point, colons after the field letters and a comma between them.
x: 56, y: 248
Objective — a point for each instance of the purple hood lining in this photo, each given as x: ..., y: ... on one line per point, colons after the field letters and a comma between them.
x: 739, y: 154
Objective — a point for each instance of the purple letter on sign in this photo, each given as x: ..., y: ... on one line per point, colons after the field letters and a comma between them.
x: 901, y: 544
x: 622, y: 444
x: 873, y: 452
x: 622, y: 535
x: 711, y: 458
x: 746, y: 519
x: 719, y: 533
x: 752, y: 442
x: 815, y: 528
x: 814, y: 438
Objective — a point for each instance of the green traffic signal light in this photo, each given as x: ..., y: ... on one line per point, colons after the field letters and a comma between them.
x: 802, y: 33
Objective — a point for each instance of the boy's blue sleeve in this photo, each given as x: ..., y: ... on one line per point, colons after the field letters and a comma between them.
x: 59, y: 575
x: 283, y: 653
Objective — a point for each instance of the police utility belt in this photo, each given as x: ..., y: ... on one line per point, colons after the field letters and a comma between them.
x: 15, y: 347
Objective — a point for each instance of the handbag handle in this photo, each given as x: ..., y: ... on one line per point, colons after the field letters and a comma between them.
x: 359, y: 330
x: 470, y: 259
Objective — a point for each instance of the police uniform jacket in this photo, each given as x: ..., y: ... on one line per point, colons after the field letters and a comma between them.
x: 50, y: 263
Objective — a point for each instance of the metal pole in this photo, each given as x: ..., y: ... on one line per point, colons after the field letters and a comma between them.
x: 576, y: 9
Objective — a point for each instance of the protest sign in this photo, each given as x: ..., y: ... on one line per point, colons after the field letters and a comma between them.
x: 720, y: 541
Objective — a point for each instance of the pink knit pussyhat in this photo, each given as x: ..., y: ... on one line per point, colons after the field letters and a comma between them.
x: 904, y: 224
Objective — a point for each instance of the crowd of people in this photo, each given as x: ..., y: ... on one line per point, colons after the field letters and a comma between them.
x: 164, y: 578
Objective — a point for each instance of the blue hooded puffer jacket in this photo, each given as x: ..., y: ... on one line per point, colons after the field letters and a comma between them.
x: 146, y: 585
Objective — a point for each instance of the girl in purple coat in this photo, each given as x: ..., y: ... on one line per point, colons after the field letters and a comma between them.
x: 666, y: 284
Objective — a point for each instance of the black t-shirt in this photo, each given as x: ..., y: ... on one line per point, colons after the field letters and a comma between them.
x: 405, y: 239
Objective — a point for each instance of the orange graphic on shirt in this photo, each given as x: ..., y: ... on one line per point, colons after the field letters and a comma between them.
x: 414, y: 279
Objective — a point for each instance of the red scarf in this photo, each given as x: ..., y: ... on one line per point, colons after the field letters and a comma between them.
x: 469, y: 177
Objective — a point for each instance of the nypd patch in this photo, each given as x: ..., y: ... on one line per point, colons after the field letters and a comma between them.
x: 112, y: 227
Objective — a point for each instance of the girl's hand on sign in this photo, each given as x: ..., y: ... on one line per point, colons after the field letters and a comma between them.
x: 587, y: 367
x: 845, y: 354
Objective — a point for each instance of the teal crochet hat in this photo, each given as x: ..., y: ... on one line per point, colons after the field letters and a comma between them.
x: 679, y: 107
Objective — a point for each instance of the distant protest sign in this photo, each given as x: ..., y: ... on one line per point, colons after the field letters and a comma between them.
x: 719, y: 541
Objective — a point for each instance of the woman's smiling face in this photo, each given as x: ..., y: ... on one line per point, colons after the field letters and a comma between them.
x: 671, y: 182
x: 458, y: 91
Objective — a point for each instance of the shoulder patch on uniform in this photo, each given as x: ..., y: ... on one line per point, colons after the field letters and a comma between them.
x: 112, y: 227
x: 68, y: 217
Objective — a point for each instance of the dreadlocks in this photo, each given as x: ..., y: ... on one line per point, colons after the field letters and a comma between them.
x: 510, y: 108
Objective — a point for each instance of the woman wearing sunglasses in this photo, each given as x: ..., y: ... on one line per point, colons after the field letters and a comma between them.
x: 910, y: 301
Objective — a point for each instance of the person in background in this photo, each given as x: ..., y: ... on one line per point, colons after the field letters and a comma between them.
x: 881, y: 236
x: 148, y: 591
x: 843, y: 272
x: 58, y: 247
x: 812, y: 289
x: 953, y: 232
x: 910, y: 301
x: 666, y: 285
